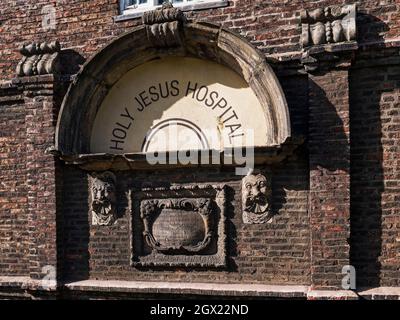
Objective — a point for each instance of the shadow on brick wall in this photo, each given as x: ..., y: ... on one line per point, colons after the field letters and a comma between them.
x: 329, y: 161
x: 367, y: 183
x: 327, y: 141
x: 370, y: 28
x: 367, y: 89
x: 75, y: 224
x: 70, y: 61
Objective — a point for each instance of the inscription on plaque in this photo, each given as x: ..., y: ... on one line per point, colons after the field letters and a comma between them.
x: 182, y: 226
x: 201, y: 106
x: 151, y: 210
x: 175, y: 228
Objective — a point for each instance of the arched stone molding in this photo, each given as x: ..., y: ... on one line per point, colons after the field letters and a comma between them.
x: 199, y: 40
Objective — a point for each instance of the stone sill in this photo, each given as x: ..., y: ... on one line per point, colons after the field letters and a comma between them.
x: 179, y: 288
x: 201, y: 289
x: 381, y: 293
x: 26, y: 283
x: 138, y: 12
x: 138, y: 161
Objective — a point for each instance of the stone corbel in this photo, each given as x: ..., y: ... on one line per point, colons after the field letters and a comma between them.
x: 328, y: 37
x: 39, y: 59
x: 163, y: 26
x: 329, y: 25
x: 325, y: 61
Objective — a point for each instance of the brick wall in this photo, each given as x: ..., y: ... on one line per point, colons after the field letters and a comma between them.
x: 271, y: 253
x: 14, y: 236
x: 375, y: 192
x: 40, y: 115
x: 313, y: 199
x: 85, y: 26
x: 329, y: 175
x: 276, y: 253
x: 28, y: 176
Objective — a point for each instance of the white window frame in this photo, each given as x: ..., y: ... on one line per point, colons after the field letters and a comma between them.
x: 134, y: 11
x: 142, y: 6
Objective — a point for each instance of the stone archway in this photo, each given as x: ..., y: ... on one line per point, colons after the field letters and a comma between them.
x: 166, y: 33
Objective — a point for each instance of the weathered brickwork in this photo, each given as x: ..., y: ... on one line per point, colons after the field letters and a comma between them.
x: 40, y: 171
x: 273, y: 26
x: 329, y: 175
x: 254, y: 251
x: 97, y: 253
x: 375, y: 210
x: 14, y: 235
x: 336, y: 199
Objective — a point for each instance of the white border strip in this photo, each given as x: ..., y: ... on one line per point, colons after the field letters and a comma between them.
x: 138, y: 12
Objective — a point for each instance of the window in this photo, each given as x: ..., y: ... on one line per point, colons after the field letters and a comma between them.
x: 135, y: 8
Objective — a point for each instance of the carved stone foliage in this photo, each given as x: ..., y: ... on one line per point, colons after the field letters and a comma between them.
x: 163, y: 26
x: 256, y: 194
x: 328, y: 25
x: 103, y: 194
x: 180, y: 226
x: 39, y: 58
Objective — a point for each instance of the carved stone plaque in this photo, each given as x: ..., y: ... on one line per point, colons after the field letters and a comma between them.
x: 180, y: 226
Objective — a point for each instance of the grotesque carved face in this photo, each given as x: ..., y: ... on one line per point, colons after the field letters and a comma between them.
x: 103, y: 199
x: 103, y: 191
x: 256, y: 192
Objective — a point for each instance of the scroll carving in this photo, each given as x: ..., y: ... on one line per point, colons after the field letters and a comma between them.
x: 39, y: 58
x: 179, y: 226
x: 256, y: 193
x: 163, y: 26
x: 103, y: 199
x: 329, y: 25
x: 151, y: 208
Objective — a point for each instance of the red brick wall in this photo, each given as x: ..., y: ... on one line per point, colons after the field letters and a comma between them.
x: 329, y: 176
x: 83, y: 25
x: 273, y: 26
x: 14, y: 235
x: 275, y: 253
x: 28, y: 201
x: 375, y: 169
x: 41, y: 183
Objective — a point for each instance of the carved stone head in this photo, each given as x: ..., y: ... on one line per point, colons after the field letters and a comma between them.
x: 103, y: 199
x: 256, y: 192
